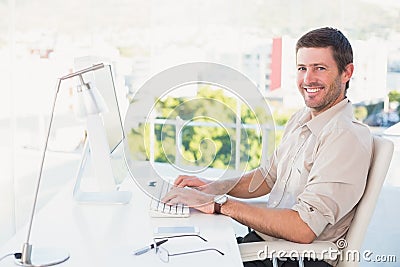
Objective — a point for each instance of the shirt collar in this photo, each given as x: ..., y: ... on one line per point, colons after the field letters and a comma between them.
x: 318, y: 122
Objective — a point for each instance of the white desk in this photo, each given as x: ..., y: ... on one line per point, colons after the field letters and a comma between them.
x: 106, y: 235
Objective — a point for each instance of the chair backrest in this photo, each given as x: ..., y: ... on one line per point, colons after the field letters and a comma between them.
x: 382, y: 155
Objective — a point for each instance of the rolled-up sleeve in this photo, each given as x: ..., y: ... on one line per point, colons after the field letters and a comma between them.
x: 337, y: 179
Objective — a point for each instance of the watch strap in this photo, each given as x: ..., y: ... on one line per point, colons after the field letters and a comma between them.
x: 218, y: 202
x: 217, y: 208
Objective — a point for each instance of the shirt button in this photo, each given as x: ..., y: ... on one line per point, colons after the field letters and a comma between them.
x: 302, y: 136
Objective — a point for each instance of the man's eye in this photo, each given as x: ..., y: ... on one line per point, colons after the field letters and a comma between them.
x: 321, y: 68
x: 301, y: 68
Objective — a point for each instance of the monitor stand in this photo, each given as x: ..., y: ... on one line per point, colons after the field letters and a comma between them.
x: 96, y: 197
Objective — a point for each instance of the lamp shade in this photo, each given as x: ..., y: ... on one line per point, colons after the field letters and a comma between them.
x: 89, y: 101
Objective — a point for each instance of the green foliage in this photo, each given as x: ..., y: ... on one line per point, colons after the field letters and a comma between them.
x: 213, y: 143
x: 139, y: 143
x: 360, y: 113
x: 281, y: 118
x: 394, y: 96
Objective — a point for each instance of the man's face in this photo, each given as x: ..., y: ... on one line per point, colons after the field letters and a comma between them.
x: 318, y: 78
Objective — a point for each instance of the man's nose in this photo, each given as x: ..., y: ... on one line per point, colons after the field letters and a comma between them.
x: 309, y: 77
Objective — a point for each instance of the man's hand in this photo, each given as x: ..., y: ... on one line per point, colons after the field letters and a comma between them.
x: 197, y: 183
x: 191, y: 197
x: 191, y: 181
x: 213, y: 187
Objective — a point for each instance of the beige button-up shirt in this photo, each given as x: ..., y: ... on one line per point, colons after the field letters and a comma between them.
x: 320, y: 169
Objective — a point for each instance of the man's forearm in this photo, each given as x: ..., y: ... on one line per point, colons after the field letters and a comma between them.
x: 279, y: 223
x: 250, y: 185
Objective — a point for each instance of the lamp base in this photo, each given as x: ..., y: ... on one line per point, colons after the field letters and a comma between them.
x: 42, y: 257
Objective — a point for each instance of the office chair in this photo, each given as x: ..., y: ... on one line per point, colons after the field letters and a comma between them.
x: 382, y: 155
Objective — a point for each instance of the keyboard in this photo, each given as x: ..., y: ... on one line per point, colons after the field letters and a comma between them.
x: 162, y: 210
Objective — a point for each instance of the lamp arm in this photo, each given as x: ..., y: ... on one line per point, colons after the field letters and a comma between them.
x: 80, y: 72
x: 26, y: 250
x: 26, y: 259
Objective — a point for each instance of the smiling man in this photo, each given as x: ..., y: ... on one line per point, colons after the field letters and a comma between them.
x: 323, y: 71
x: 318, y: 173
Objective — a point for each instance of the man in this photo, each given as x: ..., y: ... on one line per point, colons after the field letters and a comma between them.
x: 318, y: 173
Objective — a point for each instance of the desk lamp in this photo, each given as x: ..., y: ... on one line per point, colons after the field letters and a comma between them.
x: 92, y: 103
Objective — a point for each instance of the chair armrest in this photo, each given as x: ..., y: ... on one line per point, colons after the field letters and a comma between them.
x: 320, y: 250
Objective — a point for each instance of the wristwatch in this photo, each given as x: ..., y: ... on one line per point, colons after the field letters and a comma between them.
x: 218, y: 202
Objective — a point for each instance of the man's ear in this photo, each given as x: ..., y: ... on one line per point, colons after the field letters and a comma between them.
x: 347, y: 73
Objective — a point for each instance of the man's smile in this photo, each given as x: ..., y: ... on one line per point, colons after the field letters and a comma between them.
x: 314, y: 89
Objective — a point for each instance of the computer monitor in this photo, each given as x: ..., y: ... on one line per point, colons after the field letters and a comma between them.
x: 105, y: 154
x: 112, y: 119
x: 103, y: 79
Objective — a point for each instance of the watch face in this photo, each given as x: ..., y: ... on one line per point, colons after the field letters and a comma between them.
x: 221, y: 199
